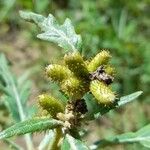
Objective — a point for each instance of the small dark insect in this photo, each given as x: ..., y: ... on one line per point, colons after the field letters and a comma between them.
x: 101, y: 75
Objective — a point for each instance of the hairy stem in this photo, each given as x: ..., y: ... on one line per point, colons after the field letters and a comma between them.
x: 55, y: 144
x: 45, y: 142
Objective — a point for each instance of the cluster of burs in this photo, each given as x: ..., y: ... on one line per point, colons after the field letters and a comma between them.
x: 76, y: 77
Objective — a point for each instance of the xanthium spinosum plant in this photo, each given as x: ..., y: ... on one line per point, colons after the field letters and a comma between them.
x: 85, y: 83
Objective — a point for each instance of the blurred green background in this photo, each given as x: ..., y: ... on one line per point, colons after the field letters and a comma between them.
x: 121, y: 26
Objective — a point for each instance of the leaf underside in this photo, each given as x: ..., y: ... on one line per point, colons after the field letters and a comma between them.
x: 126, y: 99
x: 64, y: 35
x: 142, y: 136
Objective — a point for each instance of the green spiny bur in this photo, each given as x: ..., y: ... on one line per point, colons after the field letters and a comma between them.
x: 57, y: 73
x: 50, y: 104
x: 76, y: 64
x: 102, y: 92
x: 75, y: 88
x: 101, y: 58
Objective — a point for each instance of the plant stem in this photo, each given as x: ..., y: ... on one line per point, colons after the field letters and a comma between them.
x: 45, y: 142
x: 55, y: 144
x: 29, y: 143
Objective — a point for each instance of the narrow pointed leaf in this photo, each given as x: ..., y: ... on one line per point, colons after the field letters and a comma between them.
x: 30, y: 126
x: 64, y: 35
x: 142, y: 136
x: 15, y: 92
x: 71, y: 143
x: 125, y: 99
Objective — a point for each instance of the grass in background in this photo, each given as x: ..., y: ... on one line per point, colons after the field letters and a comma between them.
x: 121, y: 27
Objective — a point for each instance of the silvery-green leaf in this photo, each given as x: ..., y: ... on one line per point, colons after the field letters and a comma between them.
x: 64, y: 35
x: 70, y: 143
x: 125, y: 99
x: 142, y: 136
x: 30, y: 126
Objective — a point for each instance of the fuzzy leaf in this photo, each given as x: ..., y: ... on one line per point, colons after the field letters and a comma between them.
x: 125, y: 99
x: 30, y: 126
x: 142, y: 136
x: 63, y: 35
x: 70, y: 143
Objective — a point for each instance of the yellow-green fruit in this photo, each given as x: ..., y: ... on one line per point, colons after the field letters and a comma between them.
x: 102, y: 93
x: 75, y: 88
x: 101, y: 58
x: 50, y: 104
x: 57, y: 73
x: 76, y: 64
